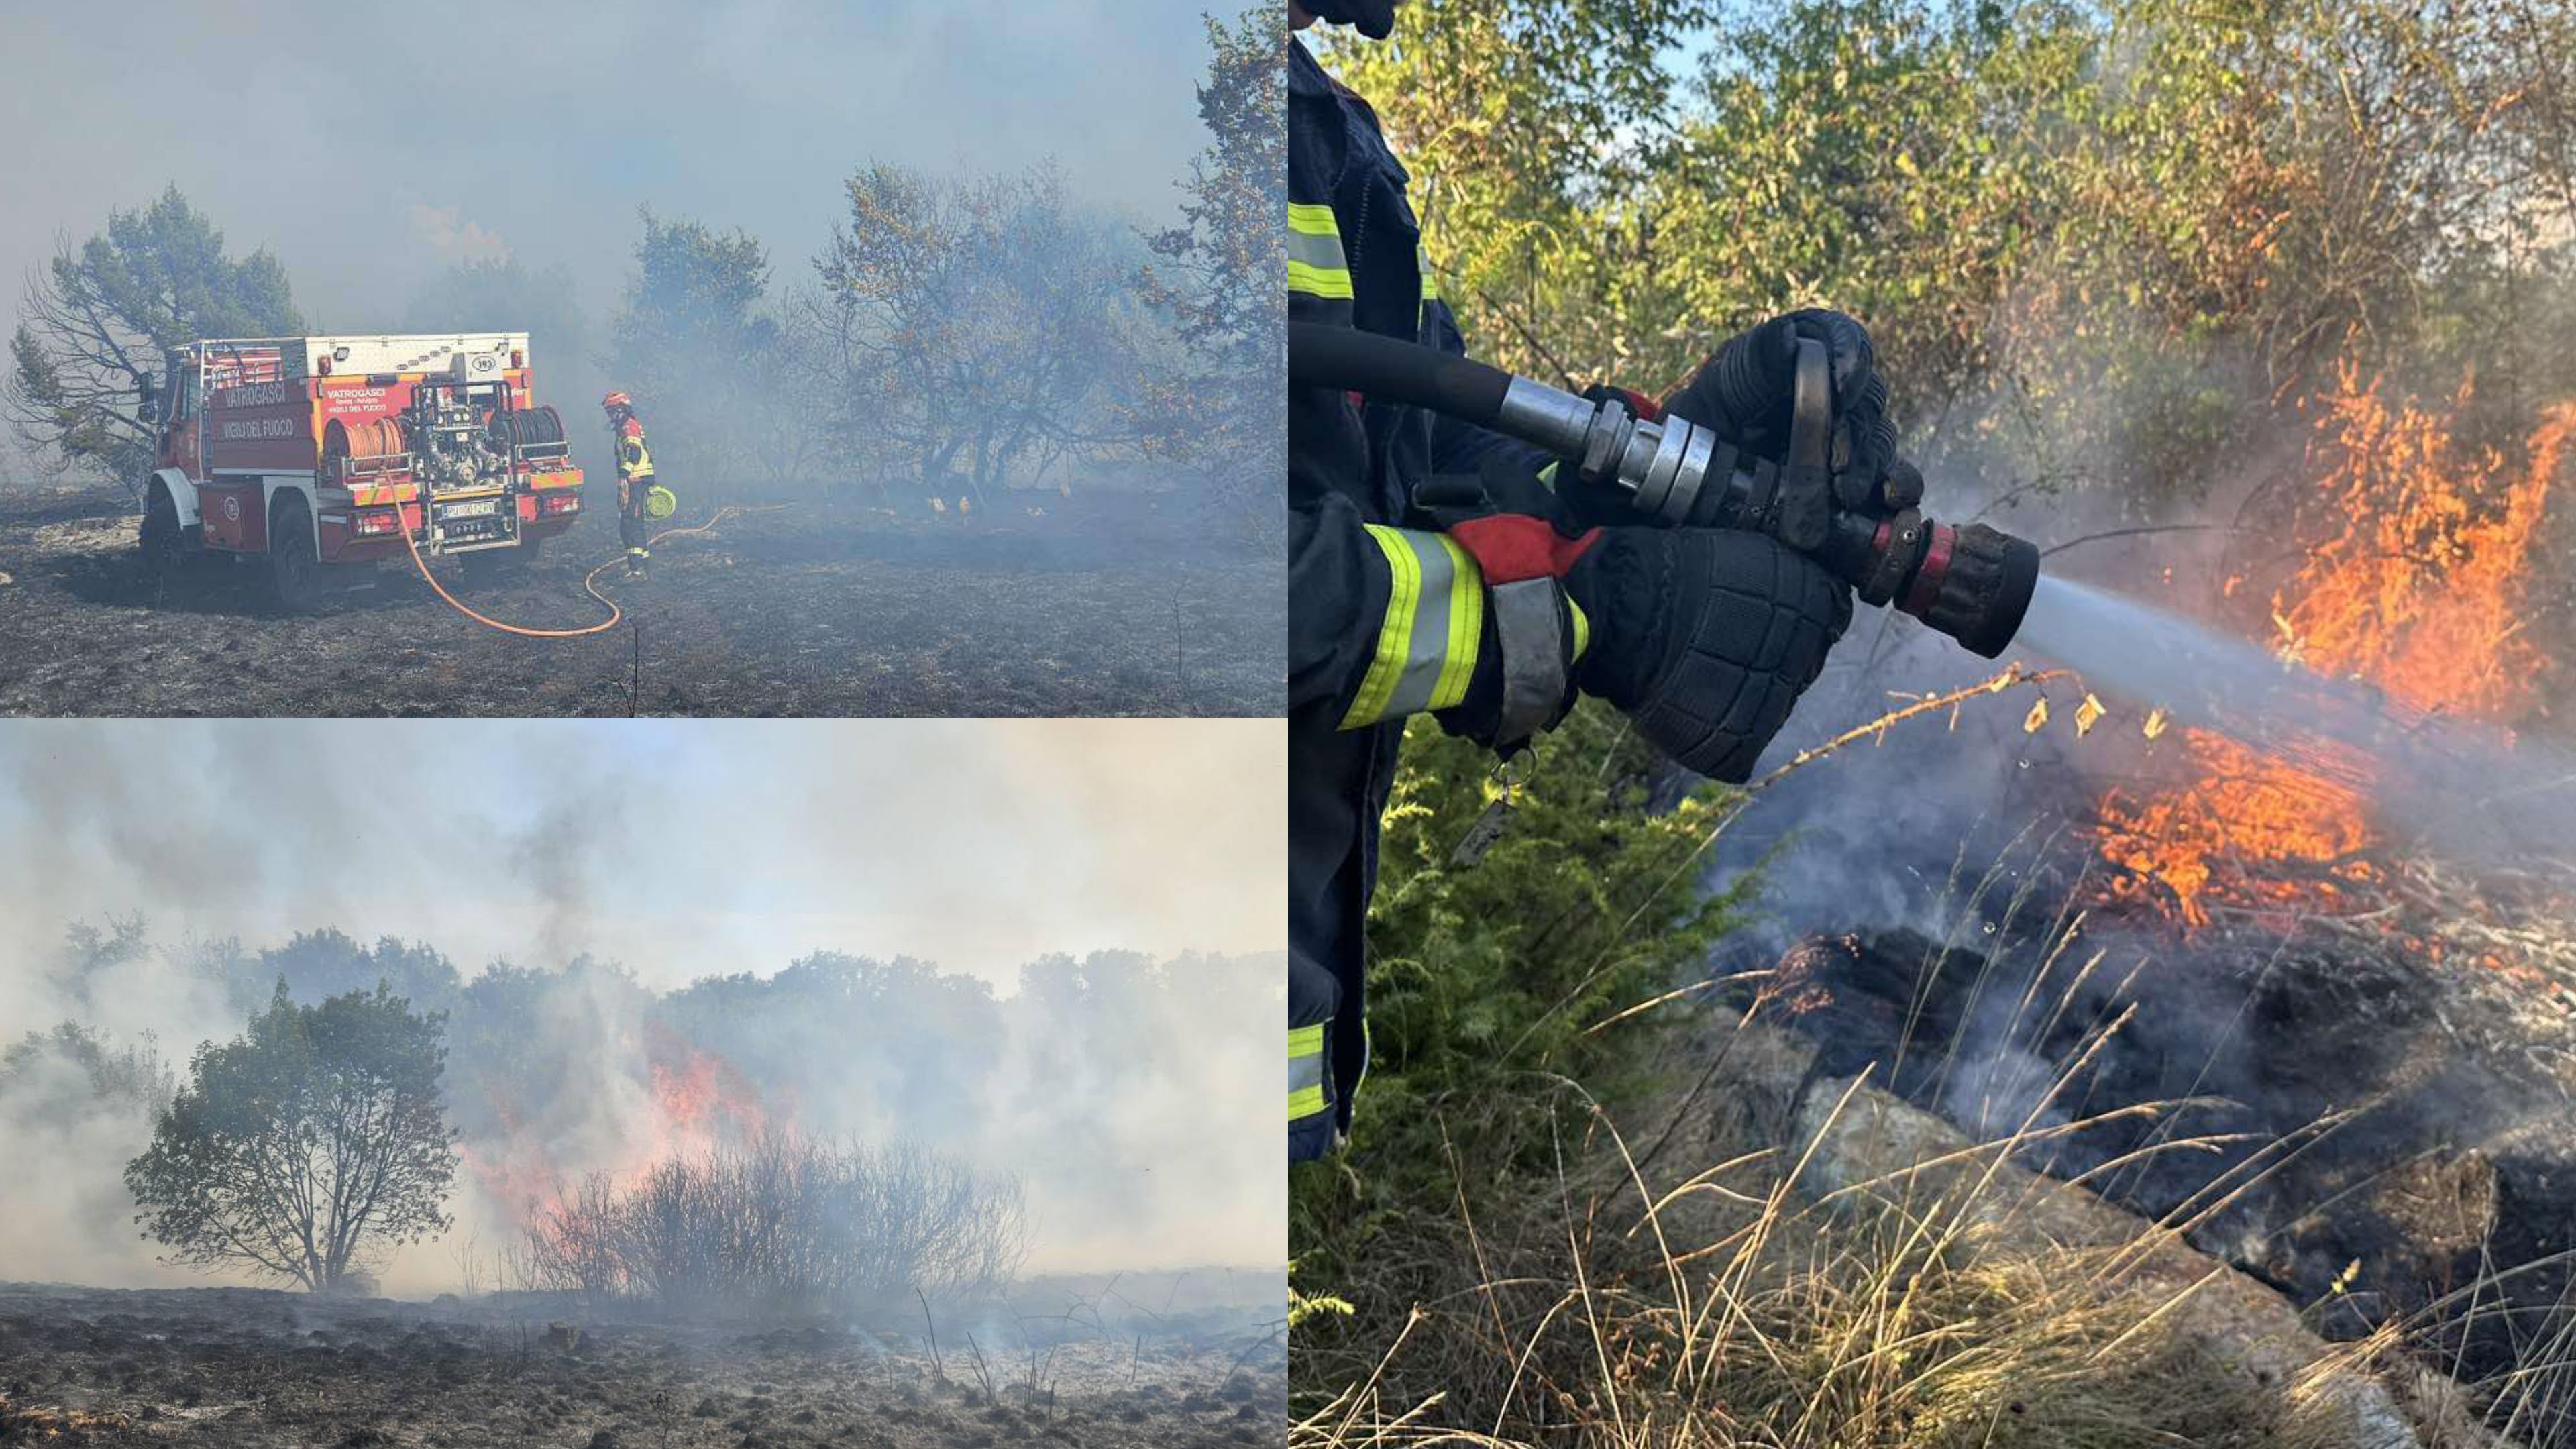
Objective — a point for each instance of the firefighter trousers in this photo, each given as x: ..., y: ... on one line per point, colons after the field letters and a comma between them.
x: 633, y: 528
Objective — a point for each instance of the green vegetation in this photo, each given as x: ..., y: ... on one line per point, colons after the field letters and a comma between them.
x: 2123, y: 250
x: 307, y: 1144
x: 98, y: 318
x: 1492, y: 986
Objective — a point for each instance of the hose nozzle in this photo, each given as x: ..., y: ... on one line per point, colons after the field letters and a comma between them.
x: 1972, y: 583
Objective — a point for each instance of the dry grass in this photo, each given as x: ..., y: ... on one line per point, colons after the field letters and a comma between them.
x: 1851, y: 1273
x: 1731, y: 1309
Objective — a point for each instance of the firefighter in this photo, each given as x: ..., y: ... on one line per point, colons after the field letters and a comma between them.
x: 634, y: 480
x: 1432, y: 568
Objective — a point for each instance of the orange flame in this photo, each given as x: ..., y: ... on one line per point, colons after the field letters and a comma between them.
x: 694, y: 1098
x: 2415, y: 583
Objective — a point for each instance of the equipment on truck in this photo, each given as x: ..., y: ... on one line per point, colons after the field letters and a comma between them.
x: 1972, y: 583
x: 315, y: 451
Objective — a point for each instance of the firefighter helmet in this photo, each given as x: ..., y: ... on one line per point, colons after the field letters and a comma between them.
x: 660, y: 502
x: 616, y: 400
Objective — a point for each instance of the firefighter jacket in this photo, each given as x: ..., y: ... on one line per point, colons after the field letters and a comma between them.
x: 634, y: 460
x: 1386, y: 613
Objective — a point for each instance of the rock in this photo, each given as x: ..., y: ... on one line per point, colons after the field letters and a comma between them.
x: 1769, y: 1083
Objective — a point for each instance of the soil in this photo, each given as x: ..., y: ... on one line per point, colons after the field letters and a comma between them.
x: 237, y: 1368
x: 1111, y: 605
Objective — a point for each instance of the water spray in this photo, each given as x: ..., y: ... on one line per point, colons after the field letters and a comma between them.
x: 1972, y: 583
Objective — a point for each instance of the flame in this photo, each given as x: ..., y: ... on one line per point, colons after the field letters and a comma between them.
x: 692, y: 1099
x: 2413, y: 581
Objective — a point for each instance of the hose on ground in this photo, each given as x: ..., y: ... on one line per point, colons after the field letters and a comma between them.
x: 589, y: 583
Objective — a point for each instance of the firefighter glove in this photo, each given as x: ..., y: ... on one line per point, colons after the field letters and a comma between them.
x: 1375, y: 18
x: 1745, y: 389
x: 1703, y: 637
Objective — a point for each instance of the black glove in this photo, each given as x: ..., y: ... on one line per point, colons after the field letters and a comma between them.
x: 1374, y: 17
x: 1704, y: 637
x: 1744, y: 392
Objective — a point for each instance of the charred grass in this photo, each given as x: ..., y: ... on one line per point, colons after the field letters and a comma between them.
x: 244, y: 1369
x: 814, y: 608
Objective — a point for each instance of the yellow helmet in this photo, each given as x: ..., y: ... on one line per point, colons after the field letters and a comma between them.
x: 660, y: 502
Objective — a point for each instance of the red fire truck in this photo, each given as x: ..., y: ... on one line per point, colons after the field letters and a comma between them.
x: 309, y: 451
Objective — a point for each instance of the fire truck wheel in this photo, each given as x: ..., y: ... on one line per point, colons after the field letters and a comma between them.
x: 293, y: 570
x: 159, y: 540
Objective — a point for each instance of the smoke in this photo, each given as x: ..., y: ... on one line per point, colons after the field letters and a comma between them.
x: 1049, y: 948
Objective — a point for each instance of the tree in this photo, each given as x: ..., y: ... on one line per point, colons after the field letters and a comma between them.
x: 968, y: 327
x: 301, y: 1146
x: 1225, y: 407
x: 701, y: 357
x: 98, y: 318
x: 502, y: 295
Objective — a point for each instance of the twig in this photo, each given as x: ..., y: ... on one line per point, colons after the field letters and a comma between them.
x: 935, y: 1368
x: 983, y: 1375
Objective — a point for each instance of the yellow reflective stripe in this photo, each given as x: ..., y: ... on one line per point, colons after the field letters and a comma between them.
x: 1316, y: 265
x: 1466, y: 626
x: 1426, y: 646
x: 1313, y: 218
x: 1305, y: 1070
x: 1317, y: 281
x: 1394, y: 636
x: 1582, y: 627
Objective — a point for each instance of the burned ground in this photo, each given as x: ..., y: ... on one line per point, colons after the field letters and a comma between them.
x: 247, y: 1369
x: 1109, y: 606
x: 2386, y: 1138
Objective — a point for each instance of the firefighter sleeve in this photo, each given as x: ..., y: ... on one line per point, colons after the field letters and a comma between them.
x: 1383, y: 622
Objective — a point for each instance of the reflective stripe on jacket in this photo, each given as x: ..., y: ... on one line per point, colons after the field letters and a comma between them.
x: 1385, y: 612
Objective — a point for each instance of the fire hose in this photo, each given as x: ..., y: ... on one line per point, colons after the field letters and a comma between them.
x: 1972, y: 583
x: 589, y: 584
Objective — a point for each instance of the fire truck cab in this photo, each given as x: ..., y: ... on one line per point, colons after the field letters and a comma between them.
x: 315, y: 451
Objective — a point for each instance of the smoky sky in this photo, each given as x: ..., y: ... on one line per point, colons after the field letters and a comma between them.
x: 679, y: 849
x: 370, y: 146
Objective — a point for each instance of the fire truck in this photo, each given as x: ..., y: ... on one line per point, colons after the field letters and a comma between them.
x: 307, y: 452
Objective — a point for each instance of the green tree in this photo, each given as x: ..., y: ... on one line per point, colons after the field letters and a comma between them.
x: 1223, y: 406
x: 96, y: 322
x: 970, y: 328
x: 304, y: 1145
x: 695, y: 346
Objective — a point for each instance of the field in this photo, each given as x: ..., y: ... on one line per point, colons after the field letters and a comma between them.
x: 249, y: 1369
x: 815, y: 608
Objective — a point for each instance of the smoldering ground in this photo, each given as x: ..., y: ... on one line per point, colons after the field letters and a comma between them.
x: 1046, y: 949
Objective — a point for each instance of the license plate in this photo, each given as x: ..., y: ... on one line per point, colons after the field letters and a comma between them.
x: 479, y: 508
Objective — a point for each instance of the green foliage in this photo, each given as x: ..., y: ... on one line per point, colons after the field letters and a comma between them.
x: 1222, y: 403
x: 300, y: 1146
x: 1489, y: 980
x: 2098, y: 244
x: 695, y: 346
x: 63, y: 1073
x: 317, y: 965
x: 96, y: 322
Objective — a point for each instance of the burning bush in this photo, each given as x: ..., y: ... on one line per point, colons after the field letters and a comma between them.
x: 785, y: 1225
x: 2416, y: 576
